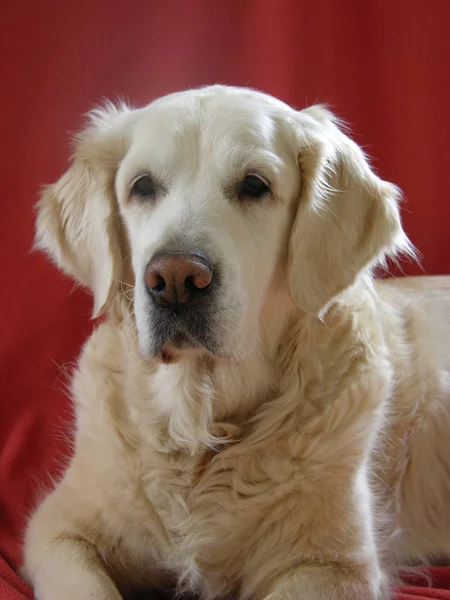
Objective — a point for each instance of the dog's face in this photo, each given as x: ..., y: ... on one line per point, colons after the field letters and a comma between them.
x: 229, y: 202
x: 205, y: 191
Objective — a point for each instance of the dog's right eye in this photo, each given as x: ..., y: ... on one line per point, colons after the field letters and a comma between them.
x: 144, y: 187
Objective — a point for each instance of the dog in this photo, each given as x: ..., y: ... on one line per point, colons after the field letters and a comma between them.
x: 256, y: 415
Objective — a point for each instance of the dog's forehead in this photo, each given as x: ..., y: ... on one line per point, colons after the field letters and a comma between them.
x: 215, y: 127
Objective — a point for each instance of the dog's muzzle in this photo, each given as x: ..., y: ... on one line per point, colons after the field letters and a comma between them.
x: 181, y: 287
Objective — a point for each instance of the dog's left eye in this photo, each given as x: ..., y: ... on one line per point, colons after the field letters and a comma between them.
x: 253, y: 186
x: 144, y: 187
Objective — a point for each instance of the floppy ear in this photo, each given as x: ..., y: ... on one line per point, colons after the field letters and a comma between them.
x: 347, y: 218
x: 77, y: 221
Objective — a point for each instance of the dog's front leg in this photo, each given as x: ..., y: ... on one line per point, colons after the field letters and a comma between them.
x: 60, y: 563
x: 317, y: 541
x: 338, y: 581
x: 69, y: 569
x: 71, y: 552
x: 317, y: 546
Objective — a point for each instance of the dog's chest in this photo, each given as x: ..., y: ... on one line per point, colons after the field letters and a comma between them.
x: 207, y: 519
x: 185, y: 488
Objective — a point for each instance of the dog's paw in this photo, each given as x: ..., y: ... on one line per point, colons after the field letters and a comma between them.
x: 331, y: 584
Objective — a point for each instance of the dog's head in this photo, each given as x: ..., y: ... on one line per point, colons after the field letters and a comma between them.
x: 224, y: 201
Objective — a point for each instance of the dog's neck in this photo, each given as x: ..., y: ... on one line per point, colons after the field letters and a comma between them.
x: 200, y: 404
x: 203, y: 403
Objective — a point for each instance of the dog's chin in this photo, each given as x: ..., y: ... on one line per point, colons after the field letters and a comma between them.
x: 172, y: 353
x: 182, y: 348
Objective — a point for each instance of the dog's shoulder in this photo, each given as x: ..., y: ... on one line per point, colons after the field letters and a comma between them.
x: 99, y: 379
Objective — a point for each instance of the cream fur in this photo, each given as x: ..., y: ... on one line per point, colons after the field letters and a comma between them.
x: 309, y: 456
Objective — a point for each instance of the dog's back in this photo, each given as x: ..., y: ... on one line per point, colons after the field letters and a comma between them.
x: 416, y: 455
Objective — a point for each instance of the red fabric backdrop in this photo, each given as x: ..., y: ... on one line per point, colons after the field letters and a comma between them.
x: 382, y: 65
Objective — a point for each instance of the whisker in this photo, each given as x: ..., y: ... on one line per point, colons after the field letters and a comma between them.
x: 122, y: 283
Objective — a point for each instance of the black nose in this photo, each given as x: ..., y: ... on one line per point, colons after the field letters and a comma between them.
x: 178, y: 279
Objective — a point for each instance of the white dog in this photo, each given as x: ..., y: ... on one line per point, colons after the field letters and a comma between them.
x: 255, y: 417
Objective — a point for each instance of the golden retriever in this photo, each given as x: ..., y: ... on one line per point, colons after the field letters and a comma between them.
x: 256, y: 417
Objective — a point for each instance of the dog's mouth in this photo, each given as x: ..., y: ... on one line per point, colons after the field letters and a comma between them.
x: 178, y: 346
x: 176, y: 337
x: 170, y: 354
x: 182, y: 346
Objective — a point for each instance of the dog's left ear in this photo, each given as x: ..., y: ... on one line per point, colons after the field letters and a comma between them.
x: 347, y: 218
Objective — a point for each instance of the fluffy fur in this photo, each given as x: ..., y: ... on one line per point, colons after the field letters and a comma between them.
x: 302, y: 452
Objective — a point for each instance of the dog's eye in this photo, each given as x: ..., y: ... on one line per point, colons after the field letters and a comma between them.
x: 144, y: 187
x: 252, y: 187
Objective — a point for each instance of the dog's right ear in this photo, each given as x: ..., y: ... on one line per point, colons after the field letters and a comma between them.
x: 77, y: 221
